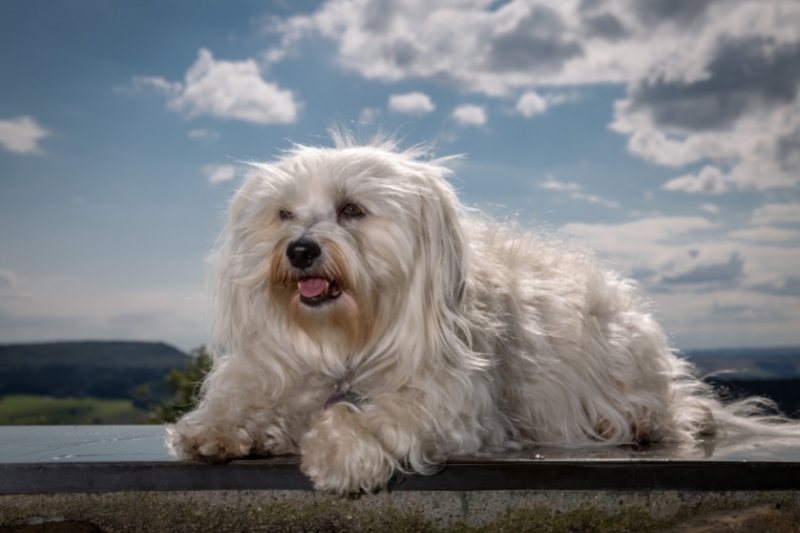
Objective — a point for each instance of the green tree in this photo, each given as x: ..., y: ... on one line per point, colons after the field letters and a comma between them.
x: 185, y: 385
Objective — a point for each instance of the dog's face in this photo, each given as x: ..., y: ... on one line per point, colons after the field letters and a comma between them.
x: 343, y: 243
x: 336, y: 240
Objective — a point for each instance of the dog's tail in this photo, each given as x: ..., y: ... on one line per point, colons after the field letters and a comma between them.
x: 700, y: 411
x: 753, y: 416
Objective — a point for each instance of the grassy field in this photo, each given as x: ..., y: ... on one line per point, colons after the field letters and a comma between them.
x: 24, y: 409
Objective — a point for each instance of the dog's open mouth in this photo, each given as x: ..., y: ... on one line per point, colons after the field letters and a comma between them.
x: 316, y: 291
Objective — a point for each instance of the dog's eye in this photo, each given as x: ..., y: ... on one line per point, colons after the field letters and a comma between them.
x: 351, y: 210
x: 285, y: 215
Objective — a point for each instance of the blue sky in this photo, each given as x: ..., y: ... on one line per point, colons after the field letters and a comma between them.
x: 665, y: 134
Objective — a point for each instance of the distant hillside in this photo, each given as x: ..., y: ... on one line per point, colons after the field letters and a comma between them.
x: 88, y: 369
x: 105, y: 354
x: 749, y: 363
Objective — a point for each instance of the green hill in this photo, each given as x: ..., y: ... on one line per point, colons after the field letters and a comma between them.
x: 89, y: 369
x: 101, y: 354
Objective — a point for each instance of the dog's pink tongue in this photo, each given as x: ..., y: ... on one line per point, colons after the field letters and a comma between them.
x: 312, y: 287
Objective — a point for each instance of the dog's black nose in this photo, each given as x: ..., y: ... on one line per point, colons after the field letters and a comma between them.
x: 302, y: 253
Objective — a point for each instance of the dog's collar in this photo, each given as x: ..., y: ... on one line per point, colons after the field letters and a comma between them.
x: 342, y: 393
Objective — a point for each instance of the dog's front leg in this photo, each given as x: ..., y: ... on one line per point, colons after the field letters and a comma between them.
x: 353, y: 448
x: 235, y: 418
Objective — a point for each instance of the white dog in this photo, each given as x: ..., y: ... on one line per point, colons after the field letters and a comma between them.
x: 365, y: 320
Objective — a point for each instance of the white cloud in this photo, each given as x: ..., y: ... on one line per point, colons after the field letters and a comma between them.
x: 469, y: 115
x: 552, y: 184
x: 765, y: 234
x: 788, y: 213
x: 710, y: 208
x: 727, y: 318
x: 413, y: 103
x: 693, y: 256
x: 737, y: 111
x: 226, y: 89
x: 731, y: 104
x: 646, y: 243
x: 594, y: 199
x: 575, y: 192
x: 158, y: 84
x: 21, y: 135
x: 496, y: 49
x: 219, y: 173
x: 475, y: 44
x: 709, y: 180
x: 531, y: 104
x: 202, y: 134
x: 697, y: 276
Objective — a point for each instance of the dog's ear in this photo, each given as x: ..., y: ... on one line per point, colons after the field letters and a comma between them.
x: 443, y: 263
x: 443, y: 249
x: 237, y: 267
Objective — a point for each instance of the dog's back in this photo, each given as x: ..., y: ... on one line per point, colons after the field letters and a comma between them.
x: 580, y: 358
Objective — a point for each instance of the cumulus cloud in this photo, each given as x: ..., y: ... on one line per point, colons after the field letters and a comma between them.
x: 497, y: 49
x: 575, y: 192
x: 788, y: 286
x: 219, y: 173
x: 413, y: 103
x: 203, y: 134
x: 686, y: 255
x: 741, y: 120
x: 765, y: 234
x: 226, y: 89
x: 661, y: 244
x: 725, y: 272
x: 709, y: 180
x: 788, y: 213
x: 22, y: 135
x: 156, y: 83
x: 730, y: 106
x: 552, y: 184
x: 531, y: 104
x: 694, y: 271
x: 476, y: 44
x: 469, y: 115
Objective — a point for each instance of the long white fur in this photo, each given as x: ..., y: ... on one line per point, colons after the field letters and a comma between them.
x: 459, y: 334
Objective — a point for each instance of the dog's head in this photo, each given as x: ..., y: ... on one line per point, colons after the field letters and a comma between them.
x: 339, y: 247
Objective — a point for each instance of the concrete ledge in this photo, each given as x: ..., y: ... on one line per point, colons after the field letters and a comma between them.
x: 87, y: 479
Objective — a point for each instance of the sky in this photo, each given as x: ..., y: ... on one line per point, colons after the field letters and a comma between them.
x: 663, y: 134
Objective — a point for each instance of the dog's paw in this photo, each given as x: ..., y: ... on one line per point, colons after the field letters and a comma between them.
x: 211, y: 444
x: 341, y: 456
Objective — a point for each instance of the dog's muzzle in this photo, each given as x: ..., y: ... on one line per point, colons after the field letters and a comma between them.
x: 315, y: 288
